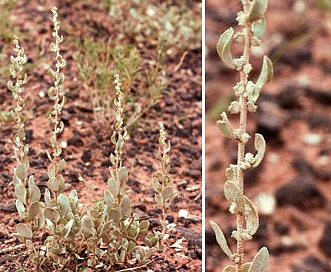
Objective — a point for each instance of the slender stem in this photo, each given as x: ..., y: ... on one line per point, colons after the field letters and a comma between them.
x: 242, y: 143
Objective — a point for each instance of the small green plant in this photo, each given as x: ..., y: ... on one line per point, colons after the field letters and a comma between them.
x: 99, y: 62
x: 165, y: 193
x: 105, y: 236
x: 146, y: 20
x: 253, y: 24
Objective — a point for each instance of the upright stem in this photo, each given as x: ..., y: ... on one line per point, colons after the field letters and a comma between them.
x: 242, y: 142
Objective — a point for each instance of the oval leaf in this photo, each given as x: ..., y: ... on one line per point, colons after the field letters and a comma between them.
x: 224, y: 47
x: 113, y: 186
x: 220, y: 238
x: 125, y: 205
x: 167, y: 192
x: 20, y: 192
x: 261, y: 261
x: 52, y: 215
x: 115, y: 215
x: 61, y: 165
x: 66, y: 230
x: 258, y: 10
x: 259, y: 28
x: 34, y: 193
x: 224, y: 126
x: 64, y: 204
x: 53, y: 184
x: 24, y: 230
x: 20, y: 209
x: 21, y: 171
x: 251, y: 216
x: 34, y: 209
x: 260, y: 146
x: 122, y: 174
x: 266, y: 74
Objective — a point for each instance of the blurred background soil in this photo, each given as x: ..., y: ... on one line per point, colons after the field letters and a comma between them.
x: 294, y: 116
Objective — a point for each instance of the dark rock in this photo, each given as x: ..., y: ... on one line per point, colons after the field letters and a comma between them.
x: 302, y: 193
x: 106, y: 163
x: 281, y: 228
x: 44, y: 237
x: 10, y: 207
x: 155, y: 212
x: 6, y: 178
x: 190, y: 151
x: 71, y: 109
x: 87, y: 155
x: 182, y: 184
x: 140, y: 206
x: 2, y: 235
x: 75, y: 141
x: 192, y: 173
x: 131, y: 153
x: 104, y: 177
x: 186, y: 96
x: 270, y: 123
x: 318, y: 120
x: 173, y: 171
x: 312, y: 264
x: 295, y: 58
x: 168, y: 101
x: 171, y: 110
x: 43, y: 177
x: 288, y: 98
x: 65, y: 117
x: 153, y: 222
x: 302, y: 166
x: 146, y: 164
x: 325, y: 241
x: 73, y: 176
x: 322, y: 97
x: 29, y: 135
x: 194, y: 237
x: 84, y: 109
x: 183, y: 132
x: 170, y: 219
x: 286, y: 248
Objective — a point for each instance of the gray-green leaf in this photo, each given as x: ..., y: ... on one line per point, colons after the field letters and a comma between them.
x: 21, y: 171
x: 64, y: 204
x: 24, y: 230
x: 167, y: 192
x: 66, y: 230
x: 224, y: 126
x: 261, y: 261
x: 20, y: 192
x: 224, y: 47
x: 251, y: 216
x: 52, y: 215
x: 122, y: 174
x: 258, y: 10
x: 125, y: 205
x: 220, y: 238
x: 266, y: 74
x: 260, y: 146
x: 259, y: 28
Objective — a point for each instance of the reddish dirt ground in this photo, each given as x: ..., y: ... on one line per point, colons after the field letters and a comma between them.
x: 294, y: 116
x: 88, y: 142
